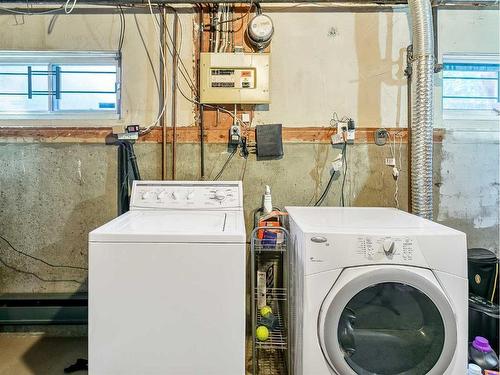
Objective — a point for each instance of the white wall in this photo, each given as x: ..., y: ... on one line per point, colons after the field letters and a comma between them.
x: 349, y: 63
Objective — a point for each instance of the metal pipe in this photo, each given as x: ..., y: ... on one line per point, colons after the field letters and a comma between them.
x: 174, y: 93
x: 200, y: 106
x: 313, y: 4
x: 163, y: 83
x: 422, y: 111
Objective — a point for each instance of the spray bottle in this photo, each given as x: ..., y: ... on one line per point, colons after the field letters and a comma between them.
x: 268, y: 202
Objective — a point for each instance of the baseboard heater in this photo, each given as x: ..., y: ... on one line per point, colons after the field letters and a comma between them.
x: 43, y: 308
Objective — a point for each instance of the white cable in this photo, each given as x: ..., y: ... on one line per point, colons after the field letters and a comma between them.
x: 397, y: 161
x: 73, y: 3
x: 164, y: 63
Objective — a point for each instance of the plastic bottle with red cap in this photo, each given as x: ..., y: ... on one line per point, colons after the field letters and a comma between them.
x: 481, y: 353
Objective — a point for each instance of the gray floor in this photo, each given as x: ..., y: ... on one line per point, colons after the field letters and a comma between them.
x: 22, y: 354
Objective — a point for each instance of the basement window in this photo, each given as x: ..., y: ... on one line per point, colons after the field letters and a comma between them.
x: 42, y: 84
x: 471, y: 87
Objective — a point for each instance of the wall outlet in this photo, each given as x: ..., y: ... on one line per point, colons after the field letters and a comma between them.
x: 337, y: 138
x: 245, y: 117
x: 234, y: 135
x: 391, y: 162
x: 337, y: 165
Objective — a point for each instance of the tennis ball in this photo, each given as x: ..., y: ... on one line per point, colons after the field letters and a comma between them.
x: 262, y: 333
x: 266, y: 311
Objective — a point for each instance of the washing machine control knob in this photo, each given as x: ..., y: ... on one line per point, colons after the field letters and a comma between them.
x: 162, y: 195
x: 220, y: 195
x: 388, y: 246
x: 148, y: 195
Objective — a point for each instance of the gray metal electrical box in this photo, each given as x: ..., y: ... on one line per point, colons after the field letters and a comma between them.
x: 234, y: 78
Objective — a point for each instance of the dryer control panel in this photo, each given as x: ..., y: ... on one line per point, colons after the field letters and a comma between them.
x: 399, y: 248
x: 200, y: 195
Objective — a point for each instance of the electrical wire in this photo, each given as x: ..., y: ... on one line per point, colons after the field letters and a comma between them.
x: 176, y: 52
x: 241, y: 17
x: 38, y: 276
x: 344, y: 157
x: 321, y: 199
x: 123, y: 26
x: 164, y: 64
x: 40, y: 259
x: 73, y: 3
x: 397, y: 163
x: 323, y: 196
x: 31, y: 13
x: 226, y: 164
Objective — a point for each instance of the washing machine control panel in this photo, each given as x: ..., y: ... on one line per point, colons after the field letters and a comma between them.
x: 185, y: 195
x: 399, y: 248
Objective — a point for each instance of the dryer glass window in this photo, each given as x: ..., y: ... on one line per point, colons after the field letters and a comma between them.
x: 389, y: 329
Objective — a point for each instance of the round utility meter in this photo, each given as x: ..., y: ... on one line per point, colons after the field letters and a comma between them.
x: 260, y: 30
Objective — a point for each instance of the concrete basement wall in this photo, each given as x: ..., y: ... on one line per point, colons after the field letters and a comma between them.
x: 52, y: 194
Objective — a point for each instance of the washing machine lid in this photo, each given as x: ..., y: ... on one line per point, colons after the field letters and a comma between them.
x: 387, y: 320
x: 173, y: 226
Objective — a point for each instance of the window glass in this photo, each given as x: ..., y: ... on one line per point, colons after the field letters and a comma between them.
x: 470, y: 88
x: 391, y: 328
x: 14, y: 88
x: 87, y: 87
x: 45, y: 83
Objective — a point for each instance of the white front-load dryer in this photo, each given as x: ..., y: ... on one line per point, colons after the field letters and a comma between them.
x: 376, y: 291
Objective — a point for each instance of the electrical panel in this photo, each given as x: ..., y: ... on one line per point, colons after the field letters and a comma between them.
x: 234, y: 78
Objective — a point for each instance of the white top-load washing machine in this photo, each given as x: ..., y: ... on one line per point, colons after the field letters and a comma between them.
x: 376, y: 291
x: 167, y: 283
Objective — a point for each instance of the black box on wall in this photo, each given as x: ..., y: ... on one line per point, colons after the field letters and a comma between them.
x: 269, y: 142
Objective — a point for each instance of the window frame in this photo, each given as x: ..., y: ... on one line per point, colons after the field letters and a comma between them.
x: 54, y: 58
x: 470, y: 114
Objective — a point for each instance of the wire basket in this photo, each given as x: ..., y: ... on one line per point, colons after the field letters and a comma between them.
x: 269, y: 252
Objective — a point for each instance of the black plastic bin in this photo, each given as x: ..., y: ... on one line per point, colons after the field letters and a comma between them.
x: 483, y: 320
x: 483, y: 274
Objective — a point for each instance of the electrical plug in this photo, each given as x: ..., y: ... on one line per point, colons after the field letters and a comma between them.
x: 395, y: 172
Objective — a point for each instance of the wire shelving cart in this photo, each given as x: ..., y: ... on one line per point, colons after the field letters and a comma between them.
x: 270, y: 357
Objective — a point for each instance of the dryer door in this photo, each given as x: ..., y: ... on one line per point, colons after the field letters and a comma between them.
x: 387, y: 320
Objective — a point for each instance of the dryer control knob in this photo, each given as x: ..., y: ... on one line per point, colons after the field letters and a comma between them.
x: 388, y: 246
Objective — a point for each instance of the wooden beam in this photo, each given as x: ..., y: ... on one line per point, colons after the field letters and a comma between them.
x: 186, y: 134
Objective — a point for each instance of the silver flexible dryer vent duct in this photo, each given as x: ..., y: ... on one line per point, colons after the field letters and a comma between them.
x: 422, y: 107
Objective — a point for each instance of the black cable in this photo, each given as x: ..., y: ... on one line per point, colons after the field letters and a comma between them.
x: 37, y: 276
x: 39, y: 259
x: 344, y: 157
x: 323, y: 196
x: 123, y: 26
x: 225, y: 164
x: 319, y: 202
